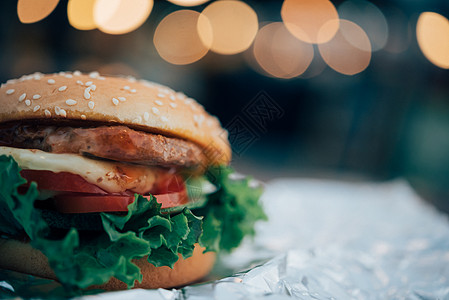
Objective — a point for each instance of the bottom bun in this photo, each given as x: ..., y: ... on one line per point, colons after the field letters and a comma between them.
x: 21, y: 257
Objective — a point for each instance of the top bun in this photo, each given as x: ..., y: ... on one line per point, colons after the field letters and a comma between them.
x: 138, y: 104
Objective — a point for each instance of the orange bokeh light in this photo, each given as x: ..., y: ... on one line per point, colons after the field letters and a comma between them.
x: 176, y: 37
x: 349, y: 52
x: 121, y: 16
x: 81, y: 14
x: 188, y: 2
x: 432, y: 32
x: 305, y: 18
x: 234, y: 26
x: 279, y: 53
x: 31, y: 11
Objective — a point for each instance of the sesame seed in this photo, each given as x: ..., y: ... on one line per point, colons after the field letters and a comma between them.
x: 77, y: 73
x: 63, y: 113
x: 123, y: 99
x: 70, y: 102
x: 173, y: 105
x: 79, y: 82
x: 68, y: 76
x: 47, y: 113
x: 188, y: 101
x: 27, y: 102
x: 37, y: 96
x: 93, y: 87
x: 160, y: 95
x: 146, y: 116
x: 94, y: 74
x: 138, y: 120
x: 163, y: 118
x: 88, y: 83
x: 172, y: 97
x: 36, y: 108
x: 22, y: 97
x: 133, y: 91
x: 126, y: 87
x: 57, y: 110
x: 159, y: 102
x: 115, y: 101
x: 86, y: 93
x: 101, y: 77
x: 198, y: 119
x: 62, y: 88
x: 61, y: 73
x: 155, y: 110
x: 10, y: 91
x: 51, y: 81
x: 83, y: 117
x: 91, y: 104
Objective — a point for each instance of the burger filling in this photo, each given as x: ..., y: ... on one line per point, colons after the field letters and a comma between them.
x: 118, y: 143
x: 94, y: 199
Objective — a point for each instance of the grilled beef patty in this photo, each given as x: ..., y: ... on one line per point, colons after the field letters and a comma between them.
x: 118, y: 143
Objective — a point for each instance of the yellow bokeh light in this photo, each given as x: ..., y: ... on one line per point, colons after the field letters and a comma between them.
x: 305, y: 18
x: 188, y: 2
x: 279, y: 53
x: 234, y: 26
x: 121, y: 16
x: 345, y: 55
x: 432, y: 32
x: 177, y: 40
x: 31, y: 11
x: 81, y: 14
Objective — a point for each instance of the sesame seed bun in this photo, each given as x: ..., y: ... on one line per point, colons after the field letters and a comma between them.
x: 21, y: 257
x: 138, y: 104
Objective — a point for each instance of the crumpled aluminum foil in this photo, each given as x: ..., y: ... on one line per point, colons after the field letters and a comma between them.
x: 333, y: 240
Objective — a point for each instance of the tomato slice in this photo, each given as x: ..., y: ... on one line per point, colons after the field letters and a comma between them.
x: 79, y: 196
x: 168, y: 183
x: 79, y: 203
x: 61, y: 182
x: 67, y: 182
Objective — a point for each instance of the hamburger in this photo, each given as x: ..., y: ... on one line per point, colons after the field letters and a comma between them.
x: 115, y: 183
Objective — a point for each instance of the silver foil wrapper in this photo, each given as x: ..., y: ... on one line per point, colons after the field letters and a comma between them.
x: 332, y: 240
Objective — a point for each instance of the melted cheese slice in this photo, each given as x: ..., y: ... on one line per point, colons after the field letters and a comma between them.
x: 111, y: 177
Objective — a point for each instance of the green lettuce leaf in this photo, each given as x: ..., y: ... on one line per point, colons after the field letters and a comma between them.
x: 231, y: 211
x: 81, y: 259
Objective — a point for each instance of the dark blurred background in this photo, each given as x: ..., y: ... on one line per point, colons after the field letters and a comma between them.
x: 388, y: 121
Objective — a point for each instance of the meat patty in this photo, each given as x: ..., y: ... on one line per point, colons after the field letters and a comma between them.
x: 118, y: 143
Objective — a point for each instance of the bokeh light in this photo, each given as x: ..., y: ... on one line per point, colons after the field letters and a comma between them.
x: 177, y: 40
x: 349, y: 52
x: 369, y: 17
x: 305, y: 18
x: 279, y: 53
x: 81, y: 14
x: 234, y: 26
x: 400, y: 32
x: 432, y: 32
x: 188, y: 2
x: 121, y: 16
x: 31, y: 11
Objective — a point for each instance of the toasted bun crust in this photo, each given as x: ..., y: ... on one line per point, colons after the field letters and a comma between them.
x: 139, y: 104
x: 21, y: 257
